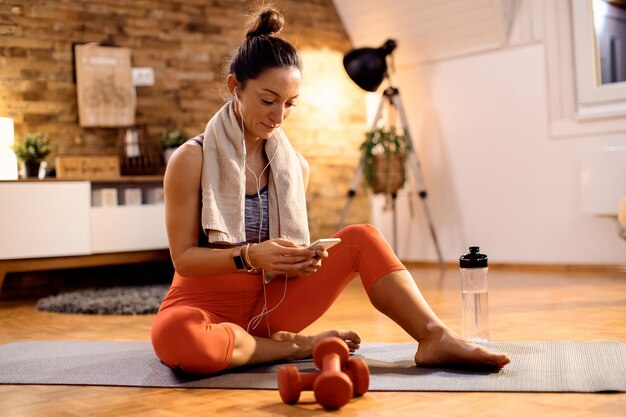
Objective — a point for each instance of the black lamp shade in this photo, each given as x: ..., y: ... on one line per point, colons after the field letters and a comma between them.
x: 367, y: 67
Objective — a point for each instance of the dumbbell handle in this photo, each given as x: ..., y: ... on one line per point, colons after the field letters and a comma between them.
x: 307, y: 380
x: 331, y: 363
x: 291, y: 382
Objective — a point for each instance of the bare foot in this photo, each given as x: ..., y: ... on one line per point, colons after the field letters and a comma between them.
x: 448, y: 348
x: 306, y: 343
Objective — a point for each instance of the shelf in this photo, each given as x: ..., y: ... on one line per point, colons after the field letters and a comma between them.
x: 131, y: 179
x: 127, y: 179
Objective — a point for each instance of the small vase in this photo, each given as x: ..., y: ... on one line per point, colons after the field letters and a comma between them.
x: 31, y: 169
x: 167, y: 154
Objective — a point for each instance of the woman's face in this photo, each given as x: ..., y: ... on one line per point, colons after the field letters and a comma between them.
x: 268, y: 100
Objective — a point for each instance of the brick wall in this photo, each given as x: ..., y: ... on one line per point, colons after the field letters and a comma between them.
x: 187, y: 42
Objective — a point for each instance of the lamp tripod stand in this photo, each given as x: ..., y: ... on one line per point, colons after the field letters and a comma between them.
x: 391, y: 96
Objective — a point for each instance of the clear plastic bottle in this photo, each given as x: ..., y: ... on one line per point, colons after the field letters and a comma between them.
x: 475, y: 295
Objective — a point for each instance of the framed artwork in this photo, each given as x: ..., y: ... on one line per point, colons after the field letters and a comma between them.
x: 106, y: 96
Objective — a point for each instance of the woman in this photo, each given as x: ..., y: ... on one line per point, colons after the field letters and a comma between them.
x: 236, y: 218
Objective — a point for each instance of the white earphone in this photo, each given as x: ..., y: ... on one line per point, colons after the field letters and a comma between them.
x: 256, y: 320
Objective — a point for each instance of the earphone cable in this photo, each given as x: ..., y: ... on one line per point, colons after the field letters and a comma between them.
x: 256, y: 320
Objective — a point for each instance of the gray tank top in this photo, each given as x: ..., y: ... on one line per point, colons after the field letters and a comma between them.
x: 257, y: 217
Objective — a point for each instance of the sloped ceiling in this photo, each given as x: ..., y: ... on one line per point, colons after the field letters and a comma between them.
x: 427, y: 30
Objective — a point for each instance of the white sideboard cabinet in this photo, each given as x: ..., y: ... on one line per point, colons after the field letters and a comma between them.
x: 44, y: 219
x: 51, y: 218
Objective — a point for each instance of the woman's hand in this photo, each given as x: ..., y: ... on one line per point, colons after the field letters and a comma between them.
x: 315, y: 262
x: 281, y: 256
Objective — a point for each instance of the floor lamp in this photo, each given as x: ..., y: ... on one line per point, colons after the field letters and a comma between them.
x: 367, y: 67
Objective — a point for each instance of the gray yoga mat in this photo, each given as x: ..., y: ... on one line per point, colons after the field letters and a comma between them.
x: 535, y: 367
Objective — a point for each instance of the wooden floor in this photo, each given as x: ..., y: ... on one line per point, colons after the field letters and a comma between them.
x: 525, y: 306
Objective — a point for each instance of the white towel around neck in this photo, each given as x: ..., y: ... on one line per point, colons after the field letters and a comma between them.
x: 224, y: 178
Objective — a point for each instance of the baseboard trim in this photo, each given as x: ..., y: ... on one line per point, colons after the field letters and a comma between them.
x: 608, y: 268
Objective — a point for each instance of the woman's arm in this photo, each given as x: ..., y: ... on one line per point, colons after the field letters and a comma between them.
x: 182, y: 217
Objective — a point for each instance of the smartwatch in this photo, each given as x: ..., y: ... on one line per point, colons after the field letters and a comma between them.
x: 238, y: 259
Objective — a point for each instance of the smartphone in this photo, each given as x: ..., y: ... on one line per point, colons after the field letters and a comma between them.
x: 325, y: 243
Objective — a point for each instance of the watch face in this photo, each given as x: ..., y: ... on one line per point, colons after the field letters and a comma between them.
x: 238, y: 259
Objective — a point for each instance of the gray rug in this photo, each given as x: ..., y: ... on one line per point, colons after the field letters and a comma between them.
x: 535, y: 367
x: 144, y: 299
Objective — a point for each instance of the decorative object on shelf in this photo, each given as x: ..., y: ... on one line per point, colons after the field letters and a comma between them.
x: 170, y: 140
x: 140, y: 154
x: 385, y: 153
x: 154, y: 195
x: 32, y: 150
x: 106, y: 96
x: 131, y: 144
x: 104, y: 197
x: 132, y: 196
x: 87, y: 167
x: 8, y: 160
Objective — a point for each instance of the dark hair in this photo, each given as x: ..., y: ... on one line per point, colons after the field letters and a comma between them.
x: 262, y: 50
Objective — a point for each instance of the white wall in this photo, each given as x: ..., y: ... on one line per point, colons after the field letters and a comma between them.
x: 495, y: 176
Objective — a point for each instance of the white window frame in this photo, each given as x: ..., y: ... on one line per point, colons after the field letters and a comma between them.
x: 594, y: 99
x: 578, y: 105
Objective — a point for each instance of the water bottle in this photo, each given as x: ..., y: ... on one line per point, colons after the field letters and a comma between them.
x: 475, y: 296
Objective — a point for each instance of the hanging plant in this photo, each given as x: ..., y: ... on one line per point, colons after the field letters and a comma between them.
x: 384, y: 159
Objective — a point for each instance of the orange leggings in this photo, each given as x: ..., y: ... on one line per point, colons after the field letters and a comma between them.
x: 188, y: 333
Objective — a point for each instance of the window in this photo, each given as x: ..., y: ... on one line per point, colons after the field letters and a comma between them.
x: 580, y: 103
x: 599, y: 29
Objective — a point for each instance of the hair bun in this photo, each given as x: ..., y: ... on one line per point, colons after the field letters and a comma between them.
x: 268, y: 22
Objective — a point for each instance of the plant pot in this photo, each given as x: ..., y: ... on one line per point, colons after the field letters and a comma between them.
x: 167, y: 154
x: 31, y: 169
x: 388, y: 173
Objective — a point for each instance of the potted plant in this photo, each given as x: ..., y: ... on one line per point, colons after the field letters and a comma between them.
x: 31, y: 150
x: 170, y: 140
x: 384, y: 159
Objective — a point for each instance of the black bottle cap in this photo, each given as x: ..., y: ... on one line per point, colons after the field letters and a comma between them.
x: 473, y: 259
